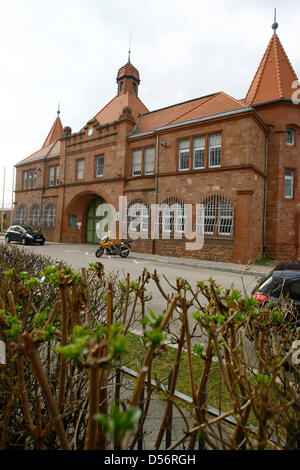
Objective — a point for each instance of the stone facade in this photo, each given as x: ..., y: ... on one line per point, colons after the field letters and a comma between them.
x: 250, y: 182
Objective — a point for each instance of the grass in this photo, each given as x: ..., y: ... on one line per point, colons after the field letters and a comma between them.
x: 163, y: 363
x: 264, y: 262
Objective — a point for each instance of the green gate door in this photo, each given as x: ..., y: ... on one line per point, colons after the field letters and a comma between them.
x: 96, y: 225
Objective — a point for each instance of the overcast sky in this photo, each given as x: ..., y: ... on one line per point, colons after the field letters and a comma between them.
x: 69, y: 51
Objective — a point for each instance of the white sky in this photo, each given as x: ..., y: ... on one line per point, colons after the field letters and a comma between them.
x: 69, y: 51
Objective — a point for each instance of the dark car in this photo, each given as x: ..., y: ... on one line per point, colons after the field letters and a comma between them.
x: 23, y: 234
x: 283, y: 281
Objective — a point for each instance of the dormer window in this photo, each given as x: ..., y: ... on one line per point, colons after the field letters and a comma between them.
x: 121, y: 86
x: 290, y: 135
x: 134, y: 87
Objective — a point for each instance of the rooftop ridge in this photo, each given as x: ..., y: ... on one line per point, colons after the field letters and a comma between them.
x: 204, y: 100
x: 177, y: 104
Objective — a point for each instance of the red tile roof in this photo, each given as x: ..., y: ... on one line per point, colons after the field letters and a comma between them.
x: 46, y: 151
x: 55, y: 133
x: 216, y: 103
x: 274, y: 75
x: 111, y: 112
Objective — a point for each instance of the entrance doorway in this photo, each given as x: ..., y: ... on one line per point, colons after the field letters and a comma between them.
x: 98, y: 220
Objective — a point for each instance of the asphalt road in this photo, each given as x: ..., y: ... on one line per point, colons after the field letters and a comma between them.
x: 80, y: 255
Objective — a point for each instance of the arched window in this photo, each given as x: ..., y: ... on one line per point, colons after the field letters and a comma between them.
x: 21, y: 215
x: 34, y: 215
x: 173, y: 218
x: 49, y: 217
x: 138, y: 216
x: 218, y: 216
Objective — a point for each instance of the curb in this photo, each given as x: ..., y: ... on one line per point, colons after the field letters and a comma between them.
x: 204, y: 266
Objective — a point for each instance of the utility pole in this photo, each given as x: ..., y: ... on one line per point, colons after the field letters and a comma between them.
x: 12, y: 196
x: 3, y: 194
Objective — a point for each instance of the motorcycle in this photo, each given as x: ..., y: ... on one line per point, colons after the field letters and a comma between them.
x: 122, y: 249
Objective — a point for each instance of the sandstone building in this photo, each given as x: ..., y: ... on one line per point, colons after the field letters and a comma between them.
x: 238, y: 157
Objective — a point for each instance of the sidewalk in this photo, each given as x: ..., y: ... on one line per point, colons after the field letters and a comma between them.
x: 252, y: 270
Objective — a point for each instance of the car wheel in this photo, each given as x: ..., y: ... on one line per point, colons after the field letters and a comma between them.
x: 42, y: 243
x: 23, y: 241
x: 7, y: 239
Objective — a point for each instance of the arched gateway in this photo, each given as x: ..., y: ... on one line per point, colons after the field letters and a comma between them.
x: 98, y: 220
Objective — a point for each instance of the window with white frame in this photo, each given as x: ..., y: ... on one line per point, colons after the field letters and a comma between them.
x: 34, y: 176
x: 198, y: 152
x: 225, y: 218
x: 183, y: 154
x: 214, y: 150
x: 79, y: 169
x: 138, y: 214
x: 56, y: 178
x: 289, y: 184
x: 209, y: 216
x: 34, y: 215
x: 49, y: 215
x: 149, y: 159
x: 99, y: 165
x: 218, y: 217
x: 290, y: 135
x: 21, y: 214
x: 29, y: 179
x: 51, y: 176
x: 137, y: 162
x: 25, y: 178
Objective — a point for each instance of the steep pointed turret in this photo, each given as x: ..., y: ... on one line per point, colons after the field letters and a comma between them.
x: 275, y: 74
x: 55, y: 133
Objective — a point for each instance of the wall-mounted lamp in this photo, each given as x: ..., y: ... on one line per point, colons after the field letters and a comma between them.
x: 38, y: 169
x: 164, y: 144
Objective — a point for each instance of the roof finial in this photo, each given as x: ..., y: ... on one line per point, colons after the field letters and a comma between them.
x: 275, y: 24
x: 58, y: 110
x: 129, y: 52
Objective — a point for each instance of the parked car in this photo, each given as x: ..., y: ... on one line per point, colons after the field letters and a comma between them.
x: 283, y: 281
x: 23, y: 234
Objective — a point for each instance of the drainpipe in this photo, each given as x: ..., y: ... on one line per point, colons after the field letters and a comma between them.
x: 42, y: 191
x: 156, y: 181
x: 265, y: 194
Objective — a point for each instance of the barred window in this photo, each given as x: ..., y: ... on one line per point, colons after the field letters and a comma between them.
x: 183, y: 154
x: 214, y: 150
x: 218, y: 217
x: 198, y: 152
x: 173, y: 217
x: 34, y: 215
x: 49, y: 217
x: 139, y: 217
x: 137, y: 162
x: 225, y: 216
x: 209, y: 216
x: 21, y: 215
